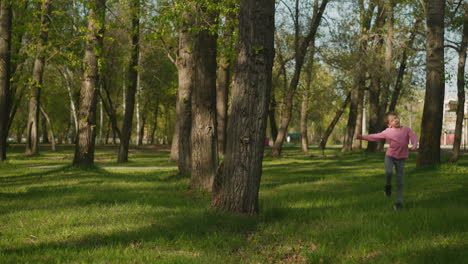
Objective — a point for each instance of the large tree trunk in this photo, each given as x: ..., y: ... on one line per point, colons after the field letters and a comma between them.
x: 186, y: 69
x: 238, y: 180
x: 301, y: 49
x: 204, y: 128
x: 84, y: 148
x: 5, y: 63
x: 32, y: 145
x: 461, y: 89
x: 326, y: 135
x: 431, y: 125
x: 126, y: 131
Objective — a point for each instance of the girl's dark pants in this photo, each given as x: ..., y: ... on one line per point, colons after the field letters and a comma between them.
x: 399, y: 164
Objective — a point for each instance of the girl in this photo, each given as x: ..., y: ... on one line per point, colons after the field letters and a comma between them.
x: 398, y: 137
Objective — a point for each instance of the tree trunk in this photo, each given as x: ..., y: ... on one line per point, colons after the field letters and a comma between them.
x: 84, y: 148
x: 357, y: 144
x: 32, y: 145
x: 461, y: 89
x: 304, y: 107
x: 186, y: 69
x: 222, y: 91
x: 271, y: 116
x: 141, y: 132
x: 51, y: 128
x: 204, y: 128
x: 155, y: 124
x: 5, y: 64
x: 356, y: 97
x: 323, y: 140
x: 431, y: 125
x: 402, y: 68
x: 45, y: 137
x: 126, y: 131
x: 300, y: 52
x: 238, y: 180
x: 224, y: 80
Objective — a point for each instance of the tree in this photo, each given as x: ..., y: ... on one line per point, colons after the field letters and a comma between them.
x: 5, y: 63
x: 460, y: 87
x: 126, y: 131
x: 84, y: 148
x: 203, y: 138
x: 301, y: 44
x: 32, y: 146
x: 237, y: 182
x: 431, y: 125
x: 185, y: 69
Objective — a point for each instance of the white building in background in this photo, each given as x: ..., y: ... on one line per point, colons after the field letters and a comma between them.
x: 449, y: 121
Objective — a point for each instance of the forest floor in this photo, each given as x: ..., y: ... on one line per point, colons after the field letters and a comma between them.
x: 313, y: 209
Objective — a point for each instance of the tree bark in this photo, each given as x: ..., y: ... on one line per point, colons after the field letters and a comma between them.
x: 32, y: 145
x: 5, y: 66
x: 357, y: 144
x: 461, y: 89
x: 204, y: 148
x: 301, y: 49
x: 238, y: 180
x: 326, y: 135
x: 84, y: 148
x: 431, y: 125
x: 186, y: 69
x: 304, y: 107
x: 126, y: 131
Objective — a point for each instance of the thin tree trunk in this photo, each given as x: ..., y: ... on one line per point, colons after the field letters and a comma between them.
x: 101, y: 117
x: 357, y: 144
x: 45, y: 137
x: 300, y: 52
x: 431, y: 125
x: 304, y: 107
x: 461, y: 90
x: 126, y: 131
x: 138, y: 93
x: 51, y: 128
x: 186, y: 69
x: 223, y: 81
x: 326, y: 135
x: 271, y: 116
x: 5, y: 64
x: 204, y: 147
x: 141, y: 132
x: 84, y: 148
x: 155, y: 124
x: 402, y: 68
x: 32, y: 146
x: 238, y: 180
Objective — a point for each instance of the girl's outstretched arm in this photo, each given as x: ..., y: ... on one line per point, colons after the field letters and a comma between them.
x: 413, y: 139
x: 374, y: 137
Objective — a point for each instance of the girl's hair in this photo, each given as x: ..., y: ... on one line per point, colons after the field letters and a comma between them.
x: 389, y: 114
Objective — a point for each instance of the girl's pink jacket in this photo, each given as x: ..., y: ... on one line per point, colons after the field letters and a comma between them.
x: 398, y: 138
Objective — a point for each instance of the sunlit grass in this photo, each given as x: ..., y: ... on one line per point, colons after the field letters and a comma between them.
x: 314, y: 209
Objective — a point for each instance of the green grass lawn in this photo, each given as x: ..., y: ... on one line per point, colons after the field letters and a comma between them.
x: 313, y: 210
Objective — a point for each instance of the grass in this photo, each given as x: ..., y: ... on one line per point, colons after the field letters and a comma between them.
x: 313, y: 210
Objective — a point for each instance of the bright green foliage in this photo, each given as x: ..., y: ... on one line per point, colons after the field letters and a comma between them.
x: 313, y: 210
